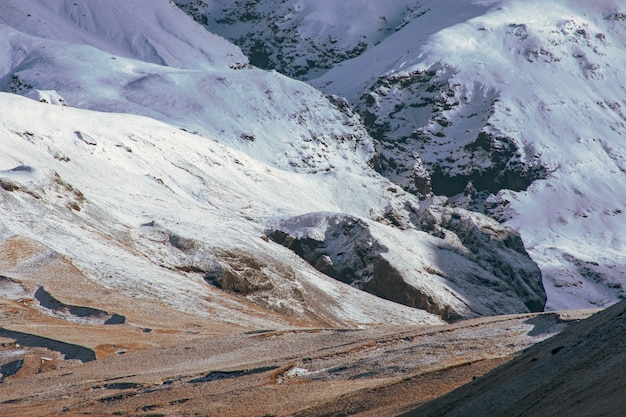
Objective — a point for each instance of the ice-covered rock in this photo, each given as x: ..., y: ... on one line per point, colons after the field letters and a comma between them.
x: 47, y: 96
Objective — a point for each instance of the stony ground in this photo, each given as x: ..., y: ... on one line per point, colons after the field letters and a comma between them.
x: 70, y: 346
x: 184, y: 367
x: 579, y: 372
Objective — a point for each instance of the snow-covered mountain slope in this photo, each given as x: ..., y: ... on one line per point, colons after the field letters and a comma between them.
x: 148, y: 210
x: 231, y: 105
x: 124, y: 196
x: 511, y: 107
x: 155, y: 32
x: 303, y: 39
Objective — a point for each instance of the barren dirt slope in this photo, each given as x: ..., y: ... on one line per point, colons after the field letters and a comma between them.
x: 302, y: 371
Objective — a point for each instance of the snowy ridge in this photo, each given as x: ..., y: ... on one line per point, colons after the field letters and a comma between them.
x: 225, y: 103
x: 155, y: 32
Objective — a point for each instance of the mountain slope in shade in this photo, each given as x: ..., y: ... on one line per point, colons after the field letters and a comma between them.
x: 512, y: 108
x: 576, y: 373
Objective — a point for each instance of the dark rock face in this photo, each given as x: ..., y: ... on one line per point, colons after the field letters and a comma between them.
x: 415, y: 117
x: 478, y: 260
x: 349, y: 253
x: 503, y: 171
x: 388, y: 283
x: 502, y: 253
x: 276, y: 41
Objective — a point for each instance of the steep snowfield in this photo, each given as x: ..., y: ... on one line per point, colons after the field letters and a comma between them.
x: 189, y: 203
x: 524, y: 99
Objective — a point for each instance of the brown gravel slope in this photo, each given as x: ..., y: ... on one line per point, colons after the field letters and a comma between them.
x: 307, y: 372
x: 578, y: 373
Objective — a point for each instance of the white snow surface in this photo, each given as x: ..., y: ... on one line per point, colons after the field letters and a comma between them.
x: 258, y: 146
x: 278, y: 120
x: 154, y: 31
x: 550, y: 75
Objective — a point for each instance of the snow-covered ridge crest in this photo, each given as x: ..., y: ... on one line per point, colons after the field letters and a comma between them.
x: 148, y: 30
x: 278, y: 120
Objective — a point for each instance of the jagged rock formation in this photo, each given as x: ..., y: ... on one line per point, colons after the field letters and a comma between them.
x: 423, y: 112
x: 299, y: 39
x: 468, y: 265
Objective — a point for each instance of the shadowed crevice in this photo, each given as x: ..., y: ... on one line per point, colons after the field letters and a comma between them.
x: 70, y: 351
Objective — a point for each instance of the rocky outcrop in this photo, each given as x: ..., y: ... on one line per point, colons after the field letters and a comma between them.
x: 276, y: 36
x: 420, y: 119
x: 343, y: 247
x: 466, y: 265
x: 240, y: 273
x: 233, y: 270
x: 497, y: 249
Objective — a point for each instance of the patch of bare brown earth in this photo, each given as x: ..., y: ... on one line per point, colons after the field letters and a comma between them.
x: 69, y: 346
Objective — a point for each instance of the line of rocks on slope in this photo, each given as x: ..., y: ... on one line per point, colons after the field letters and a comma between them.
x: 255, y: 275
x: 465, y: 266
